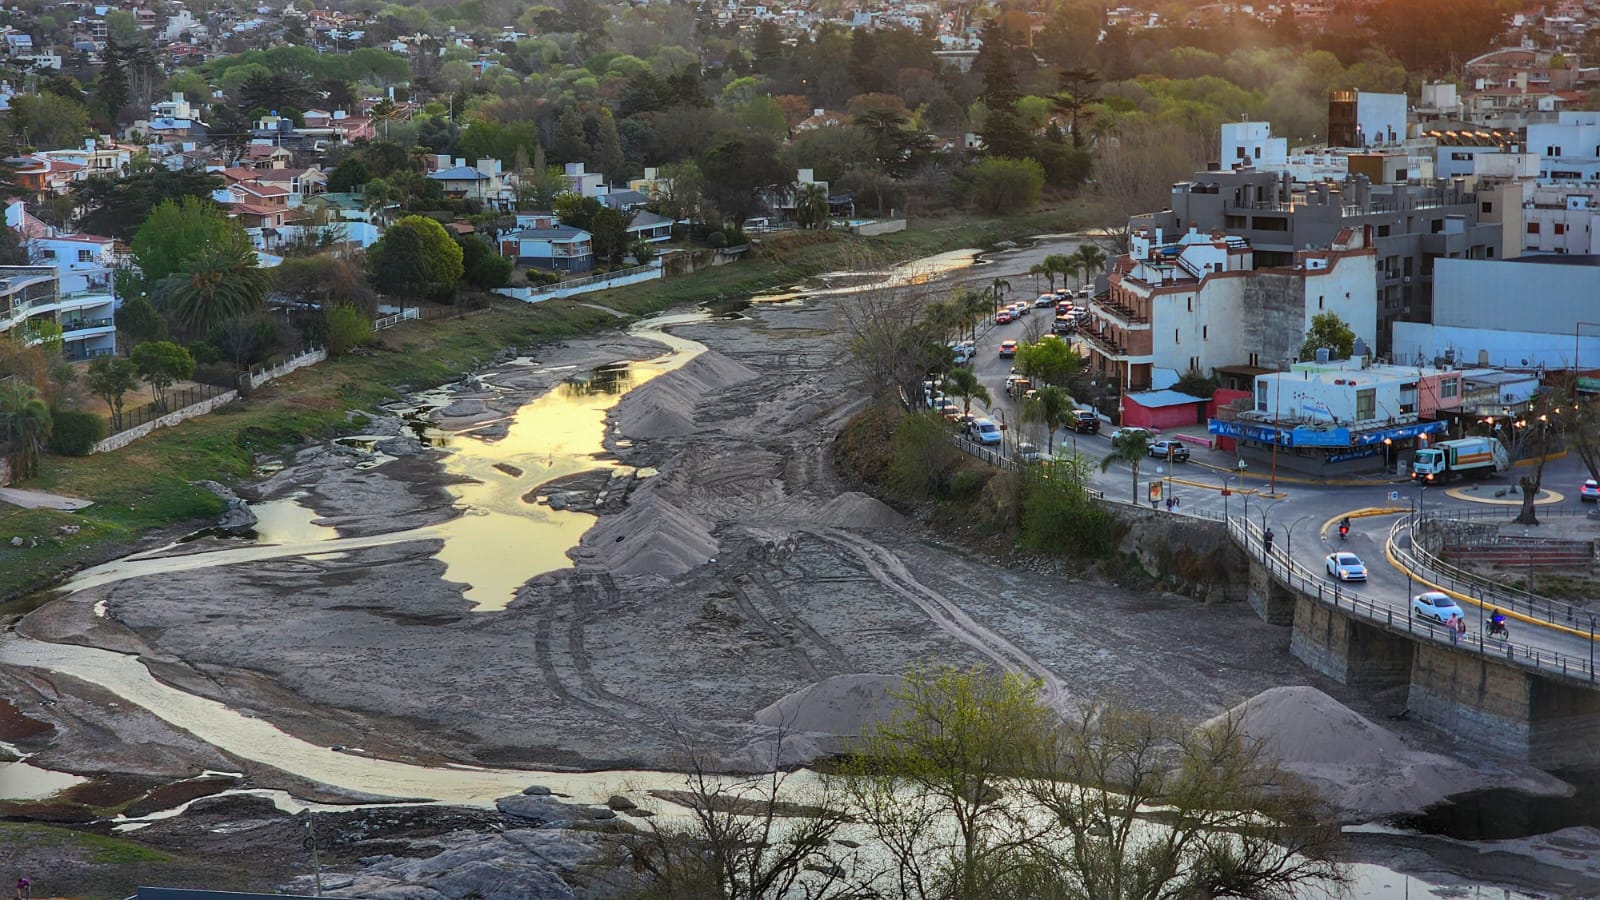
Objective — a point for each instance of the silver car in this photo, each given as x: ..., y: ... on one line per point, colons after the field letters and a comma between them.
x: 1346, y: 567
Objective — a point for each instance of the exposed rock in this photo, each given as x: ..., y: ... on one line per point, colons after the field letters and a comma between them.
x: 536, y: 790
x: 620, y: 803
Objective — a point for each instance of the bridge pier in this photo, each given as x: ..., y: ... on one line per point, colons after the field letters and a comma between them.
x: 1346, y: 649
x: 1273, y: 602
x: 1539, y: 719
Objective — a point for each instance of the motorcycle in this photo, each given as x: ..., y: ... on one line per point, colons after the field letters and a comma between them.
x: 1499, y: 630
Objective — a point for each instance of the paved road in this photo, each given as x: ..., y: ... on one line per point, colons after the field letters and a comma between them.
x: 1300, y: 512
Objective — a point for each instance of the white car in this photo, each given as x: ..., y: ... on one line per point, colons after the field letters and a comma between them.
x: 1346, y: 567
x: 1435, y: 605
x: 1129, y: 429
x: 985, y: 431
x: 1028, y: 454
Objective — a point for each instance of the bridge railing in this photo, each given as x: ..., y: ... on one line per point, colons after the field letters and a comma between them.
x: 1303, y: 581
x: 1478, y: 586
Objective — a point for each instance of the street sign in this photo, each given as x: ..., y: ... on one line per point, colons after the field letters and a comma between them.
x: 1394, y: 495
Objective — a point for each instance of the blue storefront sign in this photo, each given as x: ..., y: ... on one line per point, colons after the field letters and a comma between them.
x: 1337, y: 437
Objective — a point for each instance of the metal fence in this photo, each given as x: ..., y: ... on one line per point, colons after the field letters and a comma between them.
x: 1483, y: 589
x: 1310, y: 584
x: 176, y: 399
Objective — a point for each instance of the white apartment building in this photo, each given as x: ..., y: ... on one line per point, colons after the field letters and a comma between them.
x: 1197, y: 304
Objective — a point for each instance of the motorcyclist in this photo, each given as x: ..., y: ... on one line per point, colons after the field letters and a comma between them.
x: 1497, y: 623
x: 1344, y: 527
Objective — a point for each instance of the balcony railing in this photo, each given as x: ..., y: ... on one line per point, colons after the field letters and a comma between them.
x: 1103, y: 342
x: 1128, y: 314
x: 85, y: 324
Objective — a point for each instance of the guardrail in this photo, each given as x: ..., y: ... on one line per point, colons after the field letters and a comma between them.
x: 1478, y: 587
x: 1307, y: 583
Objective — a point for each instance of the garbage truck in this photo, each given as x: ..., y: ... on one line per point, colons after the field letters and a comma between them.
x: 1475, y: 456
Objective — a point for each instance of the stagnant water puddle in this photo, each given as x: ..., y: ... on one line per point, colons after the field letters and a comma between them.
x: 1504, y: 814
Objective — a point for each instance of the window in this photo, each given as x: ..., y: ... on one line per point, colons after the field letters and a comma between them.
x: 85, y: 256
x: 1487, y: 207
x: 1258, y: 153
x: 1449, y: 388
x: 1366, y: 404
x: 1175, y: 339
x: 1383, y: 231
x: 49, y: 254
x: 1190, y: 302
x: 1205, y: 332
x: 1261, y: 390
x: 1561, y: 228
x: 1319, y: 301
x: 1533, y: 227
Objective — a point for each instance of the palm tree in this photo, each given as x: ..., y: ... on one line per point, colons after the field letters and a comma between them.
x: 1093, y: 260
x: 1131, y: 447
x: 997, y: 289
x: 964, y: 384
x: 811, y: 206
x: 25, y: 424
x: 1055, y: 264
x: 222, y: 280
x: 1038, y: 269
x: 1049, y: 406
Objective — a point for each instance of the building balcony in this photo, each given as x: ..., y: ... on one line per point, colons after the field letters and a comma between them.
x: 82, y: 328
x: 1125, y: 316
x: 1106, y: 345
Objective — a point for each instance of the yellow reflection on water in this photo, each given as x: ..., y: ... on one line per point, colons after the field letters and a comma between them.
x: 501, y: 540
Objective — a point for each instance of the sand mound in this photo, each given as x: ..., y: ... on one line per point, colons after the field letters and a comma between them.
x: 650, y: 537
x: 1349, y: 760
x: 664, y: 406
x: 818, y: 720
x: 841, y: 705
x: 857, y: 510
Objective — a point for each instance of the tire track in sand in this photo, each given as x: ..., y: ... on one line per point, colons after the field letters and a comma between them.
x: 887, y: 568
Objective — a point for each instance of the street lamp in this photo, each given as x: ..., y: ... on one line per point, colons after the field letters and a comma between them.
x: 1226, y: 477
x: 1591, y: 646
x: 1288, y: 536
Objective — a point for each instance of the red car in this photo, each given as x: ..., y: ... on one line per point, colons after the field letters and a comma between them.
x: 1003, y: 317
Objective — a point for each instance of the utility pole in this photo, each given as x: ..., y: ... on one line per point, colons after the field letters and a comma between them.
x: 311, y: 844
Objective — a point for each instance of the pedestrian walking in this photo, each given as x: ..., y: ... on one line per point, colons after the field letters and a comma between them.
x: 1266, y: 542
x: 1457, y: 626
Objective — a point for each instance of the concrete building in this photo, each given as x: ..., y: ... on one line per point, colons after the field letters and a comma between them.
x: 545, y: 243
x: 1364, y: 119
x: 1339, y: 417
x: 1495, y: 319
x: 84, y: 309
x: 1412, y: 226
x: 1198, y: 303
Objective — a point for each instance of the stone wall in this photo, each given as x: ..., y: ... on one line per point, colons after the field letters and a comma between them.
x: 1189, y: 555
x: 1474, y: 696
x: 1273, y: 602
x: 311, y: 358
x: 5, y: 472
x: 124, y: 438
x: 1566, y: 724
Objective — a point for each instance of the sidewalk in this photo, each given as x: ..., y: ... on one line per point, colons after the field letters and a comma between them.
x: 41, y: 500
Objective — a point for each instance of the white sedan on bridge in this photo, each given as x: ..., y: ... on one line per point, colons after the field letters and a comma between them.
x: 1435, y: 605
x: 1346, y: 567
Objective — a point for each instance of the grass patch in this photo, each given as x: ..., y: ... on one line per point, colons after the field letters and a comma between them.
x: 97, y: 848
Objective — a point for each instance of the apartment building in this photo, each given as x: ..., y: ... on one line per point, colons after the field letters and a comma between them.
x: 1412, y: 226
x: 31, y: 295
x: 1198, y: 303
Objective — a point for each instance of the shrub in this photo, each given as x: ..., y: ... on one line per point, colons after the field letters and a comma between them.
x: 75, y: 432
x: 346, y: 329
x: 716, y: 240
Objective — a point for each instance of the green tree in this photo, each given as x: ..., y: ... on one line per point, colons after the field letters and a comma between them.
x: 1091, y: 261
x: 1330, y: 331
x: 173, y: 233
x: 963, y: 383
x: 416, y: 258
x: 481, y: 266
x: 999, y: 185
x: 111, y: 378
x: 221, y: 280
x: 118, y: 207
x: 1128, y: 446
x: 737, y: 169
x: 25, y: 426
x: 74, y: 432
x: 161, y: 364
x: 610, y: 236
x: 642, y: 251
x: 811, y: 206
x: 346, y: 328
x: 931, y: 783
x: 137, y: 319
x: 1049, y: 407
x: 538, y: 188
x: 1049, y: 359
x: 47, y: 121
x: 349, y: 175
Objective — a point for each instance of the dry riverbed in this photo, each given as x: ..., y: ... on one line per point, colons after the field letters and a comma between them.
x: 729, y: 584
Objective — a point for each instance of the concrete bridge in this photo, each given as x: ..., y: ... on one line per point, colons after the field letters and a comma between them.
x: 1536, y: 699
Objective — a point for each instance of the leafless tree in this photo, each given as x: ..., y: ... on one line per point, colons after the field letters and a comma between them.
x: 756, y: 837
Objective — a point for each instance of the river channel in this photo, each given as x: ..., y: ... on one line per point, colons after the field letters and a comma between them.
x: 557, y: 434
